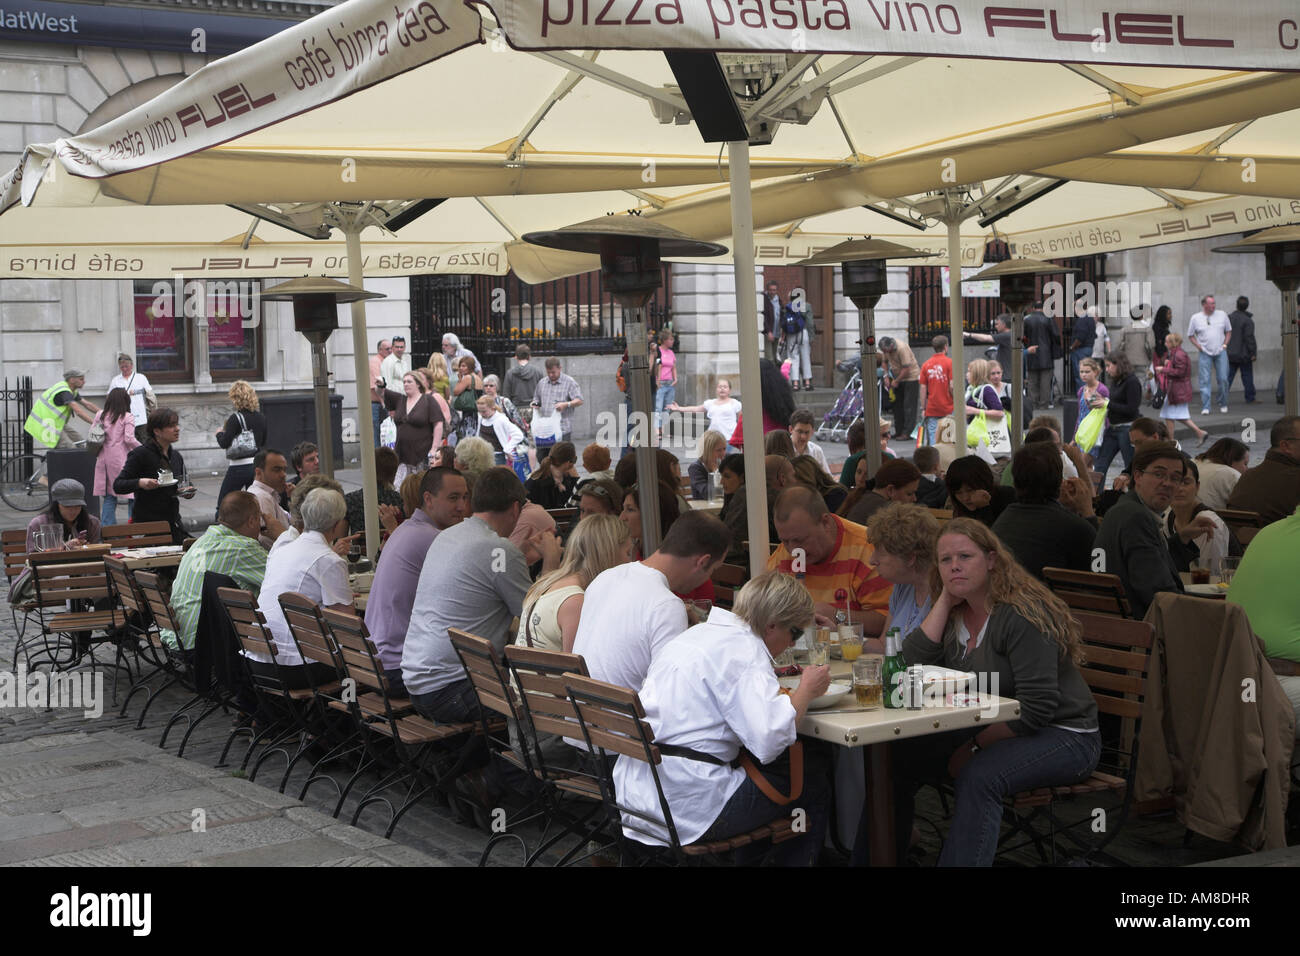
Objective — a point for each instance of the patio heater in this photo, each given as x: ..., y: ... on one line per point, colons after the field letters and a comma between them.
x: 1018, y: 281
x: 316, y: 314
x: 629, y: 248
x: 1281, y: 248
x: 863, y: 272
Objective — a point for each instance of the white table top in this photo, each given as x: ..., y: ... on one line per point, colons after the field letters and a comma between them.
x: 703, y: 505
x: 859, y: 728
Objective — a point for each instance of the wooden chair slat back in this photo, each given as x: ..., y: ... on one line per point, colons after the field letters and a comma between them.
x: 302, y: 614
x: 151, y: 587
x: 613, y: 718
x: 485, y: 671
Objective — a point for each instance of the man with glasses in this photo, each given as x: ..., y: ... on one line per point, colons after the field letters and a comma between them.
x: 1135, y: 547
x: 1272, y: 488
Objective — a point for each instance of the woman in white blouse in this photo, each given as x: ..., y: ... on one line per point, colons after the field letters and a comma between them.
x: 722, y: 411
x: 498, y: 431
x: 711, y: 692
x: 1221, y: 466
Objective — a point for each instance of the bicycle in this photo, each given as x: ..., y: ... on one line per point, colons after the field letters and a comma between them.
x: 24, y: 485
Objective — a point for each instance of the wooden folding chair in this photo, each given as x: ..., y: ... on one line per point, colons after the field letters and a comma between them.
x: 206, y: 700
x: 1244, y: 524
x: 68, y: 584
x: 277, y: 717
x: 409, y: 748
x: 327, y: 727
x: 612, y: 719
x: 727, y: 580
x: 548, y: 716
x: 154, y: 660
x: 15, y: 552
x: 1118, y: 654
x: 145, y: 534
x: 1089, y: 591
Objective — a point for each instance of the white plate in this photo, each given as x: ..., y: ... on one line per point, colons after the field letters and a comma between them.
x: 829, y: 699
x: 168, y: 484
x: 1205, y: 590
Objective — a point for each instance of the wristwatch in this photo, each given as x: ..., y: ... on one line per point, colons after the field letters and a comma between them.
x: 974, y: 748
x: 841, y: 617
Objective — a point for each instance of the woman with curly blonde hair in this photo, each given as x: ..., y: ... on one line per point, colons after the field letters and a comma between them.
x: 990, y: 616
x: 247, y: 416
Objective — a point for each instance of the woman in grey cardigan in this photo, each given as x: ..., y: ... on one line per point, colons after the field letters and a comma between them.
x: 992, y: 617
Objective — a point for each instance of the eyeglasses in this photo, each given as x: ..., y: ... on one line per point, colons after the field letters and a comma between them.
x: 596, y: 491
x: 1165, y: 477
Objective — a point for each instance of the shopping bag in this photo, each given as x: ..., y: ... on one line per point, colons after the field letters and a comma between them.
x: 546, y: 427
x: 996, y: 435
x: 1088, y: 434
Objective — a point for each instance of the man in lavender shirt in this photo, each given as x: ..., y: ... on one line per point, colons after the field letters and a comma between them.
x: 445, y: 497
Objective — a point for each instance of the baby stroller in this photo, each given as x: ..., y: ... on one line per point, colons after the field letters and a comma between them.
x: 846, y: 411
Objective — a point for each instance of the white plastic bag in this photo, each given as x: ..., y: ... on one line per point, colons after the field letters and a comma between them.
x: 388, y: 433
x: 546, y: 426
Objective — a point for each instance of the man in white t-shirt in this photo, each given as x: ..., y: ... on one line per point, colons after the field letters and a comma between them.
x: 801, y: 430
x: 723, y: 411
x: 632, y: 610
x: 136, y: 385
x: 1210, y: 330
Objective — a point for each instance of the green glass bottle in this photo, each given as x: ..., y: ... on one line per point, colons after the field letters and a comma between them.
x: 894, y: 669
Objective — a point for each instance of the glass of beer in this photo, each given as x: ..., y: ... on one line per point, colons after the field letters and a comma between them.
x: 867, y: 686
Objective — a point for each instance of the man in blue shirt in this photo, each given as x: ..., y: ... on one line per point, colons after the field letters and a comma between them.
x: 1083, y: 339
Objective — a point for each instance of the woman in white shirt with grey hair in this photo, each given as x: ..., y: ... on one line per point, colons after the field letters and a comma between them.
x: 711, y: 692
x: 309, y: 566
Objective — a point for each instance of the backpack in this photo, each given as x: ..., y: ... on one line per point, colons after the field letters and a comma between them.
x: 792, y: 322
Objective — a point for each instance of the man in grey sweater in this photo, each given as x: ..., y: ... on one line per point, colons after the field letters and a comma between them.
x: 473, y: 579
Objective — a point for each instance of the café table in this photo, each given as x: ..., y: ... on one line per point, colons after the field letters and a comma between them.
x: 708, y: 507
x: 150, y: 559
x: 847, y: 725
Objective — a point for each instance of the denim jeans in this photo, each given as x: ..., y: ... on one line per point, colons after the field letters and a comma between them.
x: 1219, y: 363
x: 931, y: 430
x: 377, y: 413
x: 1114, y: 441
x: 108, y: 510
x: 748, y: 809
x: 1051, y: 757
x: 664, y: 396
x: 1247, y: 377
x: 454, y: 704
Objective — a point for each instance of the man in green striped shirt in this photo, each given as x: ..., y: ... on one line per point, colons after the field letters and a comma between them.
x: 228, y: 547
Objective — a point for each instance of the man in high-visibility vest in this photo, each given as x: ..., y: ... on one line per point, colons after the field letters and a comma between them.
x: 53, y: 410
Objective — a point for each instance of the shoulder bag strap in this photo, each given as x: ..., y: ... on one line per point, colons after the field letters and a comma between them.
x: 765, y: 786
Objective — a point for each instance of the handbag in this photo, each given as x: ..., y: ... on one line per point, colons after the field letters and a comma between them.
x: 244, y: 445
x: 96, y: 437
x: 1158, y: 398
x: 466, y: 401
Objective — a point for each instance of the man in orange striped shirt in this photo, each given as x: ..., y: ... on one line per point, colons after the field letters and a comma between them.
x: 833, y: 559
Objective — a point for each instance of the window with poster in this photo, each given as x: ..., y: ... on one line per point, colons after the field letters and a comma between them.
x: 166, y: 322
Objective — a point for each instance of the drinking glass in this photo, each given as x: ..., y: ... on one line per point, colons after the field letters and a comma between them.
x: 784, y: 659
x: 819, y: 654
x: 851, y: 643
x: 1230, y: 565
x: 867, y: 687
x: 48, y: 537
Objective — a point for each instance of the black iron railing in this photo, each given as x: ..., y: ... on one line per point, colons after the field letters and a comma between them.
x: 16, y: 402
x: 928, y: 308
x: 493, y: 315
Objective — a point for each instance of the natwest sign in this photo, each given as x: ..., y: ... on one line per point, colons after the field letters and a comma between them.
x: 140, y: 28
x: 1197, y: 33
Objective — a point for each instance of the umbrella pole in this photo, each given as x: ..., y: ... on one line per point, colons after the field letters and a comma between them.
x: 870, y: 387
x: 751, y: 393
x: 1290, y: 352
x: 1017, y: 428
x: 641, y: 423
x: 955, y: 333
x: 361, y: 360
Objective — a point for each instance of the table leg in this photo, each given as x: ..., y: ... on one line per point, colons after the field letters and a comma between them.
x: 880, y: 803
